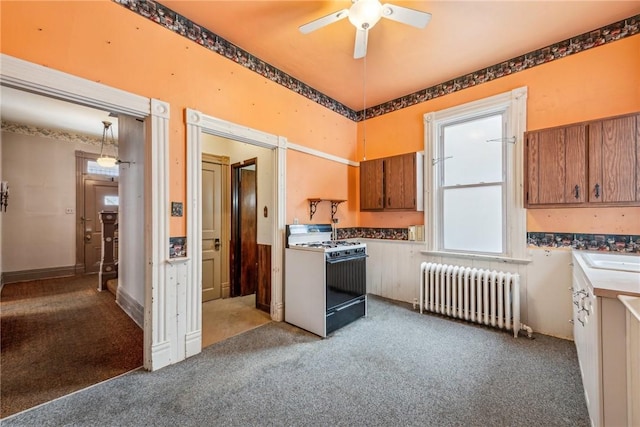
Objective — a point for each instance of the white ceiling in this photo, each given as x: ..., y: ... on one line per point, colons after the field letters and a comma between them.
x: 30, y: 109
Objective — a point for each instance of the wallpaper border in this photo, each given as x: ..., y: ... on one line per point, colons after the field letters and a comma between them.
x: 180, y: 25
x: 626, y: 243
x: 59, y: 135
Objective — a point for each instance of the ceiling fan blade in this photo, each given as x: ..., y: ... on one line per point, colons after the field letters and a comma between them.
x: 415, y: 18
x: 360, y: 49
x: 324, y: 21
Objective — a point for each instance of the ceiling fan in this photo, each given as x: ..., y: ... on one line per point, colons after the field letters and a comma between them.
x: 364, y: 14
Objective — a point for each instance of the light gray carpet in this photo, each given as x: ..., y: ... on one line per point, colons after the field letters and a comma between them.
x: 393, y: 368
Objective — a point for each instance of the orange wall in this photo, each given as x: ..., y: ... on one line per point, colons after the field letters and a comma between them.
x: 600, y: 82
x: 302, y: 183
x: 104, y: 42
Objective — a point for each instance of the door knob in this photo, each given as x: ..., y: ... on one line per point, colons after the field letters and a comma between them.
x: 216, y: 244
x: 87, y: 237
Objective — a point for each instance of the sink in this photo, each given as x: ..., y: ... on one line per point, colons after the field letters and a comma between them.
x: 608, y: 261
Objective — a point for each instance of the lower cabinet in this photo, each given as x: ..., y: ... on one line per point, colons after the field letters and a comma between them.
x: 599, y: 334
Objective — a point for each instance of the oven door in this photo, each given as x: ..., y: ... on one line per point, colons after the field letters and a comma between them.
x: 346, y: 291
x: 346, y: 279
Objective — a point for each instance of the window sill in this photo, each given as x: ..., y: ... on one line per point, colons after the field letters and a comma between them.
x: 492, y: 258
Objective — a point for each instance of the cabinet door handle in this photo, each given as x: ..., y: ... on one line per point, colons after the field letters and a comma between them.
x: 577, y: 191
x: 389, y: 201
x: 597, y: 191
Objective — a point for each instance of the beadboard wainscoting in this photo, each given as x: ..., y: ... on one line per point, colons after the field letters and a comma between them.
x: 393, y: 271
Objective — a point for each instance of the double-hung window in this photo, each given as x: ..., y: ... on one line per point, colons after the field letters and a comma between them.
x: 473, y: 172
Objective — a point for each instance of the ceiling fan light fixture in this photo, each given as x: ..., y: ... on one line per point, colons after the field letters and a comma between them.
x: 364, y: 14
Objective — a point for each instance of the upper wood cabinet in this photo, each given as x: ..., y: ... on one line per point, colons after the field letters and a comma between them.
x: 587, y: 164
x: 392, y: 183
x: 371, y: 185
x: 556, y: 161
x: 613, y: 160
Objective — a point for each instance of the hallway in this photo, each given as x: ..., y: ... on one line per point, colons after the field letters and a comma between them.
x: 59, y: 336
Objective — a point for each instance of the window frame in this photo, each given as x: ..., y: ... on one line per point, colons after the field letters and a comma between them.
x: 512, y: 105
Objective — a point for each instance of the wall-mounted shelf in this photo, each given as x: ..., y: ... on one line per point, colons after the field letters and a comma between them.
x: 313, y: 205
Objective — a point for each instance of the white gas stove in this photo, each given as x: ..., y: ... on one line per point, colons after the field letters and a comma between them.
x: 325, y: 279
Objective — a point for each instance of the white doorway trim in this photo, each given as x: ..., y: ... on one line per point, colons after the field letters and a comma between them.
x: 198, y: 123
x: 160, y: 335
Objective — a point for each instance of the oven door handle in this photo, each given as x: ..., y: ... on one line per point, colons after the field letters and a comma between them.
x: 335, y: 261
x: 358, y: 301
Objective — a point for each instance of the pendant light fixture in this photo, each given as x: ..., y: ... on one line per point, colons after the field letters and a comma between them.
x: 105, y: 160
x: 364, y: 110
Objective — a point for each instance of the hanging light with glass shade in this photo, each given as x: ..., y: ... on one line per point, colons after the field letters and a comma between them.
x: 105, y: 160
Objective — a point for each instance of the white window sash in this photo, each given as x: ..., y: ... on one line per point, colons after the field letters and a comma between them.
x: 513, y: 105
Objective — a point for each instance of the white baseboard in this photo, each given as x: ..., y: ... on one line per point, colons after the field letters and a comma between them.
x: 193, y: 343
x: 160, y: 355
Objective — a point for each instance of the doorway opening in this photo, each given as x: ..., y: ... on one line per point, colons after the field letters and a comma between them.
x: 232, y: 181
x: 50, y: 274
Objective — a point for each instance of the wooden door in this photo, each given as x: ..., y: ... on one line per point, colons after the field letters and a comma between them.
x: 248, y: 232
x: 546, y: 166
x: 394, y: 182
x: 612, y: 160
x: 211, y: 231
x: 575, y: 164
x: 371, y: 180
x: 98, y: 196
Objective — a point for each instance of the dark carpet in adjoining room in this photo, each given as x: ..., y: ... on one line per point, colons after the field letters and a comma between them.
x: 395, y: 367
x: 59, y: 336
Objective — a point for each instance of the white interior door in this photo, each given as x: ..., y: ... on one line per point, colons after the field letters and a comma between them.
x: 211, y: 227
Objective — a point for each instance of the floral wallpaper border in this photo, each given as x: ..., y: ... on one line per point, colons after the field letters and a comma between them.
x: 579, y: 241
x: 373, y: 233
x: 198, y: 34
x: 59, y: 135
x: 583, y: 241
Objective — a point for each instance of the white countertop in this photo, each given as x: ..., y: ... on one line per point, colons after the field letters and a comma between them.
x: 609, y: 283
x: 632, y: 304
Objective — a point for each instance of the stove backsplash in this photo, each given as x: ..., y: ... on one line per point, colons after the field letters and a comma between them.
x: 582, y: 241
x: 373, y: 233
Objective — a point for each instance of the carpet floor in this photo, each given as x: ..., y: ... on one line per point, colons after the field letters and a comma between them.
x: 395, y: 367
x: 224, y: 318
x: 59, y: 336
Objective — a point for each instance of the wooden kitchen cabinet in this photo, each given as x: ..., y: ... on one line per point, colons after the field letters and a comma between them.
x: 371, y: 185
x: 392, y: 183
x: 556, y: 165
x: 586, y: 164
x: 614, y: 160
x: 400, y: 181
